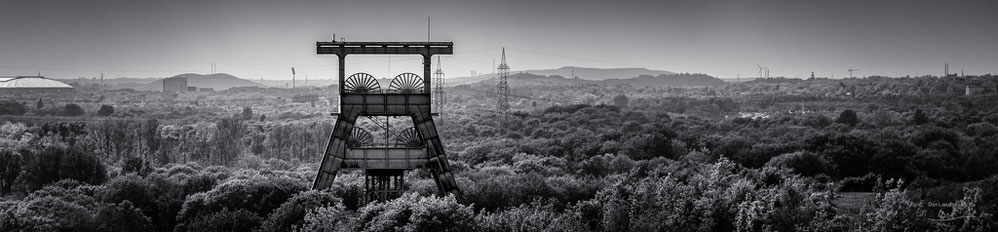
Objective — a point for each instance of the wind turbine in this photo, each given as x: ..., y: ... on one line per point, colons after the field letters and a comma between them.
x: 851, y: 70
x: 761, y: 69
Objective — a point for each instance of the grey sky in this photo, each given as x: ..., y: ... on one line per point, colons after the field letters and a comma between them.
x: 254, y: 39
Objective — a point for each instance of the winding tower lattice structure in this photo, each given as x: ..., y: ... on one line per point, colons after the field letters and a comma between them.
x: 408, y: 95
x: 502, y: 91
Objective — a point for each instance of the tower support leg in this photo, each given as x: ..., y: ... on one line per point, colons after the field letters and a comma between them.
x: 383, y: 184
x: 438, y: 165
x: 335, y: 153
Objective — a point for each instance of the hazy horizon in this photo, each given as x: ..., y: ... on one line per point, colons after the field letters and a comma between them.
x: 264, y: 39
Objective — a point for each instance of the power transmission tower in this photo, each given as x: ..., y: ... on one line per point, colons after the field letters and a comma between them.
x: 502, y: 90
x: 438, y: 89
x: 852, y: 70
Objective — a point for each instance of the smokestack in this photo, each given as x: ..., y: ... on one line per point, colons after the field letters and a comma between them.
x: 946, y: 70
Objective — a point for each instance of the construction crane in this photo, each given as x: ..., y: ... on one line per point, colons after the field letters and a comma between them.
x: 851, y: 70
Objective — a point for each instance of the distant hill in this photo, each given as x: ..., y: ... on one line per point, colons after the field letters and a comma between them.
x: 598, y: 73
x: 743, y: 79
x: 519, y: 79
x: 664, y: 80
x: 111, y: 83
x: 218, y: 81
x: 671, y: 80
x: 580, y: 72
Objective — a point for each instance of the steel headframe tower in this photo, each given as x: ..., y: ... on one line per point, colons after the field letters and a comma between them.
x: 438, y: 88
x: 502, y: 90
x: 407, y: 96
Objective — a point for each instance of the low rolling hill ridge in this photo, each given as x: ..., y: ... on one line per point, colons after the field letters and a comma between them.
x: 218, y: 81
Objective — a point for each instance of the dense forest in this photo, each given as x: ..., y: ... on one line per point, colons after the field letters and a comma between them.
x: 858, y: 154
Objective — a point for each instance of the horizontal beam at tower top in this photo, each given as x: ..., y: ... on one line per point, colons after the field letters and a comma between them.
x: 385, y: 48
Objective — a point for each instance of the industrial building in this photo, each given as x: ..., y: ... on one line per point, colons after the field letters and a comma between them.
x: 31, y: 84
x: 174, y: 84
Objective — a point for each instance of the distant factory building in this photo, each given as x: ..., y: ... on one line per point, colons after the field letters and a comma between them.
x: 31, y: 84
x: 192, y: 89
x: 174, y: 84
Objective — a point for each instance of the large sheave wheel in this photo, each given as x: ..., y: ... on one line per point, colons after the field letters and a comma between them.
x: 361, y: 83
x: 408, y: 83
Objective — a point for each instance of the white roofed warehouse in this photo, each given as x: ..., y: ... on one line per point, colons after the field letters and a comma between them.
x: 31, y: 84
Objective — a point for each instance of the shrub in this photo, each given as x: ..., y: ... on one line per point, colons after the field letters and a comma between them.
x: 53, y: 163
x: 105, y: 110
x: 981, y: 129
x: 132, y: 189
x: 804, y: 163
x: 894, y: 211
x: 292, y: 213
x: 848, y: 117
x: 134, y: 165
x: 73, y: 110
x: 122, y: 217
x: 46, y: 213
x: 247, y: 113
x: 412, y: 212
x: 531, y: 217
x: 12, y: 108
x: 919, y: 117
x: 620, y: 101
x: 70, y: 191
x: 497, y: 190
x: 327, y: 218
x: 710, y: 197
x: 256, y: 194
x: 224, y: 220
x: 964, y: 214
x: 10, y: 169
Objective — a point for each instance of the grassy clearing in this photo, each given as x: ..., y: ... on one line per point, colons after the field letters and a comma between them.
x: 850, y: 203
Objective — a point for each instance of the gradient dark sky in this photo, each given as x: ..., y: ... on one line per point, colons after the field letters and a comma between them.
x: 254, y: 39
